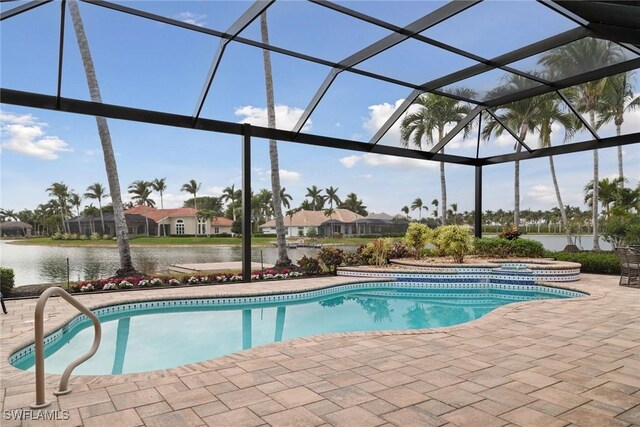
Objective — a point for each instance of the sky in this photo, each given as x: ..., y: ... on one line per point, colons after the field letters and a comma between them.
x: 144, y: 64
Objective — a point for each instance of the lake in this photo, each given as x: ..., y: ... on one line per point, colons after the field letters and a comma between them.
x: 48, y: 264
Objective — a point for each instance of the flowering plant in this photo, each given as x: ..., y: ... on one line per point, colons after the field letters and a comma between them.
x: 144, y: 283
x: 156, y: 282
x: 125, y: 285
x: 109, y: 286
x: 192, y: 280
x: 87, y: 288
x: 173, y: 282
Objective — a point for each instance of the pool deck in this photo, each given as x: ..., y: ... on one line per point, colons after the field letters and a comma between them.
x: 542, y: 363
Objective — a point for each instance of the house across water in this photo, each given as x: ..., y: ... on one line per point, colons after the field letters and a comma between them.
x: 342, y: 222
x: 162, y: 222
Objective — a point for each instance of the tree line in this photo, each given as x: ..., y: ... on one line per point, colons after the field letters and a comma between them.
x: 602, y: 101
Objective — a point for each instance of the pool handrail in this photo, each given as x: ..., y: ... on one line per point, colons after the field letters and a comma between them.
x: 39, y: 345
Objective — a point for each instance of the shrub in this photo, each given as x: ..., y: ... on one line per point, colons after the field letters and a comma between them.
x: 400, y: 251
x: 493, y: 247
x: 57, y: 236
x: 380, y: 249
x: 367, y: 256
x: 592, y: 262
x: 621, y: 230
x: 352, y: 258
x: 7, y: 280
x: 510, y: 233
x: 527, y: 248
x: 83, y: 237
x: 503, y: 248
x: 454, y: 240
x: 331, y: 258
x: 418, y: 235
x: 96, y: 236
x: 106, y: 236
x: 310, y: 265
x: 312, y: 232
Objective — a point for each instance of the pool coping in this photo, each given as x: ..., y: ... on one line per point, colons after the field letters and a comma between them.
x: 301, y: 296
x: 237, y: 290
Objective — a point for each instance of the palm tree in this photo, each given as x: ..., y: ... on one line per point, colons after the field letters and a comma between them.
x: 283, y: 258
x: 405, y: 209
x: 355, y: 205
x: 549, y: 111
x: 97, y: 192
x: 230, y: 195
x: 90, y: 212
x: 434, y: 115
x: 206, y: 215
x: 617, y: 99
x: 572, y: 59
x: 126, y: 265
x: 60, y: 191
x: 8, y: 215
x: 520, y: 116
x: 285, y: 197
x: 317, y: 199
x: 160, y: 185
x: 329, y: 213
x: 141, y: 191
x: 454, y: 211
x: 76, y: 202
x: 435, y: 203
x: 417, y: 204
x: 192, y: 187
x: 332, y: 196
x: 608, y: 190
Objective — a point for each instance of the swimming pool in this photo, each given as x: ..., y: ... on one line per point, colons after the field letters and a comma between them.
x: 139, y: 337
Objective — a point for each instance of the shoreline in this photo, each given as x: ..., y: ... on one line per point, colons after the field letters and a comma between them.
x: 132, y: 245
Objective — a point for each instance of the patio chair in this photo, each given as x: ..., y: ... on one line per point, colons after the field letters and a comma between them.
x: 629, y: 258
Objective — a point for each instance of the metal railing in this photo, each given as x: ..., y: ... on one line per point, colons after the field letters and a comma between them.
x: 39, y: 344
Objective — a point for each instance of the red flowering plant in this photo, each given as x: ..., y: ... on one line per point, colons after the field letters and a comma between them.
x: 133, y: 282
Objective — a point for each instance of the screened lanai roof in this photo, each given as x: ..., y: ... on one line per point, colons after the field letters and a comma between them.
x: 342, y: 52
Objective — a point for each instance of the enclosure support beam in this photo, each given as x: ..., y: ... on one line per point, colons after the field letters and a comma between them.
x: 246, y: 203
x: 477, y: 221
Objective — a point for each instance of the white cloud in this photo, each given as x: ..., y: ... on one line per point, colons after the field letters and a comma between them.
x: 375, y: 160
x: 286, y: 117
x: 350, y: 161
x: 542, y: 193
x: 192, y: 18
x: 379, y: 113
x: 285, y: 176
x: 215, y: 191
x: 24, y: 134
x: 289, y: 176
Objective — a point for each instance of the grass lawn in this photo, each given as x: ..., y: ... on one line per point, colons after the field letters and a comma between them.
x: 177, y: 241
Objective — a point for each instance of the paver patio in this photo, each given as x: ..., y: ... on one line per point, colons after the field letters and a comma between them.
x: 544, y: 363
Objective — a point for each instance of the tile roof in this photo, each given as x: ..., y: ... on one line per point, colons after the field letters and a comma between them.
x: 222, y: 221
x: 306, y: 218
x: 160, y: 214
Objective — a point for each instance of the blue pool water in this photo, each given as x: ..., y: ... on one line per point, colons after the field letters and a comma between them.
x: 163, y: 334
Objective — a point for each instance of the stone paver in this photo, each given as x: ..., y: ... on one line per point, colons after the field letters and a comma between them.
x: 551, y: 363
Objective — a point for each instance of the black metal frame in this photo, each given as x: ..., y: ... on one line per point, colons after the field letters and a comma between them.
x: 627, y: 39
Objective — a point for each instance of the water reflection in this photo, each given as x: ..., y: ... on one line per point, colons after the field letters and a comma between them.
x: 122, y: 337
x: 377, y: 309
x: 416, y: 316
x: 48, y: 264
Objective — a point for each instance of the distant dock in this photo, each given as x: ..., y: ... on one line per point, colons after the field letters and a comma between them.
x: 301, y: 244
x: 213, y: 267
